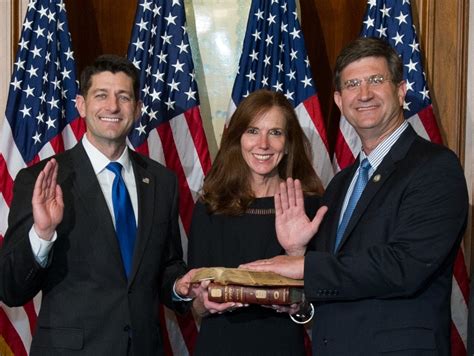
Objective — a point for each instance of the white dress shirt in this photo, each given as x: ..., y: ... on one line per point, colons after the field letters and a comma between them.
x: 99, y: 161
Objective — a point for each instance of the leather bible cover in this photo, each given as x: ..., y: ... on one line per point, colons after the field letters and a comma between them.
x: 255, y: 295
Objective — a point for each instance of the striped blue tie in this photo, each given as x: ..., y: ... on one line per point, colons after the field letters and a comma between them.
x: 359, y: 186
x: 125, y: 225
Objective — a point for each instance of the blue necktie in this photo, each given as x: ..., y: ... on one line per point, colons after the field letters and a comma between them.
x: 359, y: 186
x: 125, y: 225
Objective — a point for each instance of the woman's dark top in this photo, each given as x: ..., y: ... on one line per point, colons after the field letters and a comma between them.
x: 218, y: 240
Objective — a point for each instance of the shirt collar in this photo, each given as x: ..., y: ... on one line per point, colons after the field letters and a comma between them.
x: 99, y: 161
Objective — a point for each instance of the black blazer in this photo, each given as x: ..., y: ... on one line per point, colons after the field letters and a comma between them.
x: 88, y: 306
x: 388, y: 287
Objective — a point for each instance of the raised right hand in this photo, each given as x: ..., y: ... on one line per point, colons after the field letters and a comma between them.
x: 47, y: 201
x: 293, y: 227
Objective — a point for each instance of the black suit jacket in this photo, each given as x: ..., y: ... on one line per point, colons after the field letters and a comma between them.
x: 88, y: 306
x: 387, y: 289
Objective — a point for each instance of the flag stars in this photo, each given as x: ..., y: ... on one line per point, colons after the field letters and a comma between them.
x: 51, y: 16
x: 138, y: 44
x: 159, y: 76
x: 173, y: 85
x: 254, y: 55
x: 289, y: 95
x: 36, y: 52
x: 191, y: 94
x: 146, y: 6
x: 50, y: 37
x: 171, y: 19
x: 53, y: 103
x: 43, y: 12
x: 156, y: 12
x: 178, y: 67
x: 50, y: 123
x: 28, y: 91
x: 295, y: 33
x: 269, y: 40
x: 271, y: 19
x: 414, y: 46
x: 411, y: 66
x: 136, y: 63
x: 385, y: 11
x: 39, y: 118
x: 409, y: 85
x: 266, y: 60
x: 155, y: 95
x: 406, y: 105
x: 279, y: 67
x: 401, y: 18
x: 37, y: 137
x: 142, y: 24
x: 306, y: 81
x: 152, y: 114
x: 251, y: 76
x: 162, y: 57
x: 278, y: 86
x: 23, y: 44
x: 256, y: 35
x: 293, y: 54
x: 27, y: 24
x: 264, y: 81
x: 284, y: 27
x: 382, y: 31
x: 25, y: 111
x: 39, y: 31
x: 60, y: 26
x: 65, y: 73
x: 183, y: 47
x: 150, y: 50
x: 291, y: 75
x: 170, y: 104
x: 425, y: 93
x: 16, y: 84
x: 259, y: 14
x: 166, y: 38
x: 19, y: 64
x: 369, y: 22
x: 398, y: 39
x: 141, y: 129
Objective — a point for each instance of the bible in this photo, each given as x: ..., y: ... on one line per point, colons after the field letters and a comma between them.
x: 255, y: 295
x: 250, y: 287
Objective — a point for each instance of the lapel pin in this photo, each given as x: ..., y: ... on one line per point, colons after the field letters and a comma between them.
x: 377, y: 178
x: 146, y: 180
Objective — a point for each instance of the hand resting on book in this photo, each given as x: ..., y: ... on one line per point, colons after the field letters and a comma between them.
x: 203, y: 306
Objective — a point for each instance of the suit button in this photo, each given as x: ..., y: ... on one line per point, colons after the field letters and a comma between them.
x: 126, y: 328
x: 325, y: 342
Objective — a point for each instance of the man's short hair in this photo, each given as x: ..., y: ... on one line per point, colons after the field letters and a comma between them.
x: 110, y: 63
x: 368, y: 47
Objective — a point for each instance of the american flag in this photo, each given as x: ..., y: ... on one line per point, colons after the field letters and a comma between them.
x: 392, y: 20
x: 40, y: 120
x: 170, y: 129
x: 274, y: 57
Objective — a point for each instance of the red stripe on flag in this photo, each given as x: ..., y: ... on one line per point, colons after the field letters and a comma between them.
x: 188, y: 329
x: 10, y: 335
x: 457, y: 346
x: 143, y: 149
x: 460, y: 273
x: 31, y: 314
x: 307, y: 344
x: 193, y: 118
x: 186, y: 201
x: 342, y: 151
x: 57, y: 143
x: 164, y: 332
x: 78, y: 127
x: 428, y: 120
x: 314, y: 110
x: 6, y: 182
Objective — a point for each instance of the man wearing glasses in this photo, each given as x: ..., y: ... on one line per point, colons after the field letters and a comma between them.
x: 379, y: 269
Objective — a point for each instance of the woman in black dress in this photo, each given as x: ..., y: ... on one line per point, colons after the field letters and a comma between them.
x: 234, y: 222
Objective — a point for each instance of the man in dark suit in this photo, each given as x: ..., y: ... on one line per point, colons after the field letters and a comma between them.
x: 99, y: 297
x: 379, y: 269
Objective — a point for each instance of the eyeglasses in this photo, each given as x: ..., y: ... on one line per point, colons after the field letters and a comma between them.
x: 373, y: 81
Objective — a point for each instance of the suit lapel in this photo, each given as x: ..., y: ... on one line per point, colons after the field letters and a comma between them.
x: 377, y: 180
x: 92, y: 198
x: 146, y: 195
